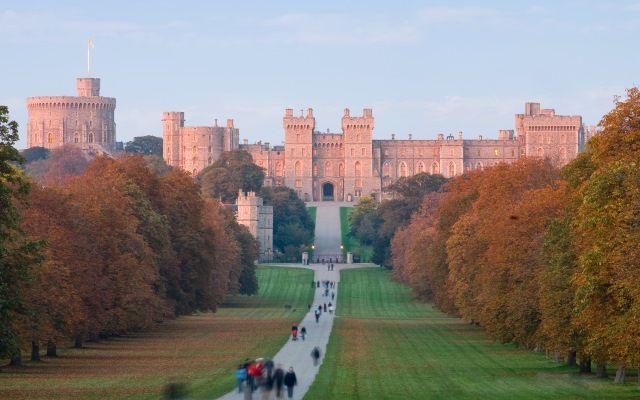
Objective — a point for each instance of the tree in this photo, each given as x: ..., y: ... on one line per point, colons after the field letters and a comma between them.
x: 293, y: 228
x: 145, y: 145
x: 62, y: 163
x: 363, y: 220
x: 17, y: 254
x: 34, y: 154
x: 234, y: 171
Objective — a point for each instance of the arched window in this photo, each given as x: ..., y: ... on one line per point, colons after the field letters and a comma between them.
x: 76, y: 138
x: 327, y: 169
x: 90, y: 138
x: 479, y: 166
x: 386, y: 169
x: 402, y: 170
x: 298, y: 168
x: 341, y: 169
x: 279, y: 168
x: 452, y: 169
x: 435, y: 168
x: 358, y: 168
x: 50, y: 138
x: 420, y: 167
x: 540, y: 152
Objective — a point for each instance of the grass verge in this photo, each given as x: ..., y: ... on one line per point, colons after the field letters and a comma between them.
x: 384, y: 346
x: 201, y: 351
x: 351, y: 244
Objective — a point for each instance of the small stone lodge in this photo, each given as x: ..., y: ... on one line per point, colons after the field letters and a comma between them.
x: 258, y: 218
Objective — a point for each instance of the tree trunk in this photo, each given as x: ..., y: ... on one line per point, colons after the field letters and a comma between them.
x: 52, y: 350
x: 601, y: 370
x: 16, y: 359
x: 585, y: 365
x: 556, y: 356
x: 620, y: 373
x: 571, y: 359
x: 35, y: 350
x: 78, y: 342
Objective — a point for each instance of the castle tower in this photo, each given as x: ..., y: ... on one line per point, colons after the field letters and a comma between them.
x: 258, y: 218
x: 172, y: 122
x: 358, y: 140
x: 298, y: 147
x: 86, y: 120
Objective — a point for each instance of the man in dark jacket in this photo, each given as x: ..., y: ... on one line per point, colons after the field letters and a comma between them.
x: 290, y: 380
x: 278, y: 380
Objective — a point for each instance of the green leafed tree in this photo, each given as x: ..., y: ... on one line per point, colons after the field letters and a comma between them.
x: 17, y: 255
x: 234, y: 171
x: 146, y: 145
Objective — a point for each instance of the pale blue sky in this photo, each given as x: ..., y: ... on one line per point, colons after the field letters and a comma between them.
x: 424, y: 67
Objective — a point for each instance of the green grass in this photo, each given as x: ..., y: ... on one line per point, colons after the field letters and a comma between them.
x: 350, y: 243
x: 201, y: 350
x: 384, y: 346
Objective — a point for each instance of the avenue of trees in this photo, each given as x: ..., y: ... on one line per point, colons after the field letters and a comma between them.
x: 293, y: 229
x: 103, y: 247
x: 541, y: 257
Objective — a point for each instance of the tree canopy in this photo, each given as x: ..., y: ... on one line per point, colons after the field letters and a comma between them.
x: 145, y: 145
x: 234, y: 170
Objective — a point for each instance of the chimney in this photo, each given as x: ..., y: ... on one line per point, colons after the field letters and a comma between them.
x: 393, y: 136
x: 410, y: 136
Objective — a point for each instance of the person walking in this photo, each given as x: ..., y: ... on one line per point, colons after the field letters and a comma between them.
x: 267, y: 385
x: 290, y: 380
x: 303, y: 332
x: 330, y: 308
x: 241, y: 376
x: 317, y: 313
x: 278, y: 380
x: 325, y: 307
x: 315, y: 354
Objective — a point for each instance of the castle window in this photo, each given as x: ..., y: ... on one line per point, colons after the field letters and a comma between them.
x: 50, y: 138
x: 298, y: 183
x: 386, y: 152
x: 358, y: 168
x: 279, y: 169
x: 496, y: 152
x: 90, y: 138
x: 540, y: 152
x: 341, y: 169
x: 479, y: 166
x: 353, y: 152
x: 298, y: 168
x: 386, y: 169
x: 452, y: 169
x: 420, y: 167
x: 327, y: 169
x: 315, y: 170
x: 435, y: 168
x: 402, y: 169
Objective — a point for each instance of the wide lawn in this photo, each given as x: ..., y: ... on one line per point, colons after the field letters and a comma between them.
x: 351, y: 244
x: 200, y: 351
x: 384, y: 346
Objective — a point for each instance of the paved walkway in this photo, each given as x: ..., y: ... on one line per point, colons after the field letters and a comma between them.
x: 298, y: 354
x: 327, y: 235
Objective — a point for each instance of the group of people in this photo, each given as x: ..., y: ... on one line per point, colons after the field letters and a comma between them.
x: 295, y: 331
x: 262, y: 375
x: 330, y: 267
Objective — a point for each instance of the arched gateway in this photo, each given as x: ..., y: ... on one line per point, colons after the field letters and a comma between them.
x: 328, y: 191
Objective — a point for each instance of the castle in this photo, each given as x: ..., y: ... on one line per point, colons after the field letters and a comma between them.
x: 194, y: 148
x: 350, y: 164
x: 85, y: 120
x: 258, y: 218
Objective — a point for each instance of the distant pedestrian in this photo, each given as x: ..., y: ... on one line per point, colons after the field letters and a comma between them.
x: 325, y: 307
x: 320, y: 308
x: 241, y: 376
x: 317, y: 313
x: 333, y: 295
x: 294, y: 332
x: 313, y: 284
x: 330, y: 308
x: 315, y: 354
x: 278, y: 380
x: 290, y: 380
x: 303, y: 332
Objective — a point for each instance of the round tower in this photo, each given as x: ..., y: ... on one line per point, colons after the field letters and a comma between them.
x: 86, y: 120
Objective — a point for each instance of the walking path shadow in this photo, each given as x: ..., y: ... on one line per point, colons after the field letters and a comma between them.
x: 297, y: 354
